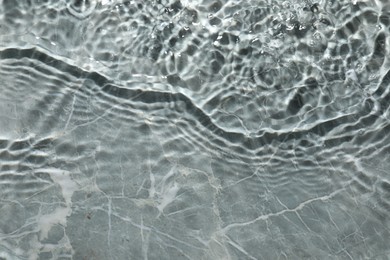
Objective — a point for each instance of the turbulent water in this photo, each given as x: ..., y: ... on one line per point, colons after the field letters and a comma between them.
x: 202, y: 129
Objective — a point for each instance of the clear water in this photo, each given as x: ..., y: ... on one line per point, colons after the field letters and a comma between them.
x: 194, y: 129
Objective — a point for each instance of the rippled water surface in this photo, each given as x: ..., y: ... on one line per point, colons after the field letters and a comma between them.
x: 204, y: 129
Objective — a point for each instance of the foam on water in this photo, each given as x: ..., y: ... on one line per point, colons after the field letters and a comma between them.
x: 194, y: 129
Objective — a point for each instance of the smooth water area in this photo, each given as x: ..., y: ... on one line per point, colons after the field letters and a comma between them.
x: 204, y: 129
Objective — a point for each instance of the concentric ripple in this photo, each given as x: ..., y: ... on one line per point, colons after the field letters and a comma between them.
x: 81, y: 8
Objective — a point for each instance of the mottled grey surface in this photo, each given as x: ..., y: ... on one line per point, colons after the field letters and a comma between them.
x: 194, y: 129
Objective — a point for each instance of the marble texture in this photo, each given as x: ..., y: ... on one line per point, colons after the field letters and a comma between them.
x: 194, y: 130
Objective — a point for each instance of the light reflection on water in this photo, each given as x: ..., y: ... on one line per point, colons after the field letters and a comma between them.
x: 194, y: 130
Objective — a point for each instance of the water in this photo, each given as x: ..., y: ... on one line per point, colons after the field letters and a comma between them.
x: 194, y: 129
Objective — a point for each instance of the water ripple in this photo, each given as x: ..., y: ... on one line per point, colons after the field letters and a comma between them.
x: 207, y: 129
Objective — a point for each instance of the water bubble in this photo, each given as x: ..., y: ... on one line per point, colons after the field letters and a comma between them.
x: 359, y: 67
x: 290, y: 26
x: 373, y: 76
x: 315, y: 8
x: 317, y: 36
x: 351, y: 74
